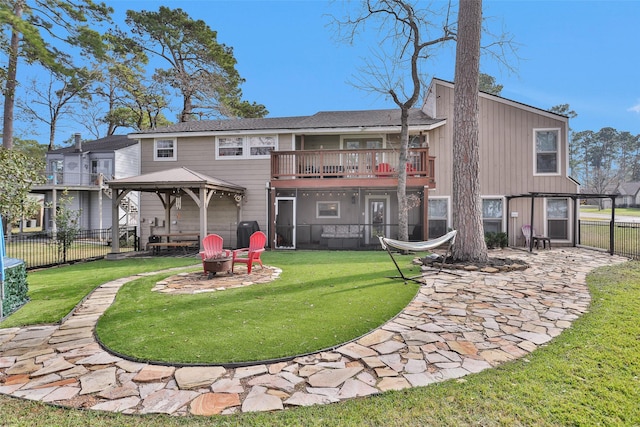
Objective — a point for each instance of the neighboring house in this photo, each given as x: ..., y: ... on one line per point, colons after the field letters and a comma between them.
x: 329, y: 180
x: 83, y: 170
x: 629, y: 195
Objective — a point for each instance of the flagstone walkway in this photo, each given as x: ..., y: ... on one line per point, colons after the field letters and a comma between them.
x: 455, y: 326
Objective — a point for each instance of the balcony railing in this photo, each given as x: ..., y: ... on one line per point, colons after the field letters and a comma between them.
x: 71, y: 179
x: 382, y: 163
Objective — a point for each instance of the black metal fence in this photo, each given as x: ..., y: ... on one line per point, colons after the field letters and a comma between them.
x: 45, y: 249
x: 339, y: 236
x: 620, y: 238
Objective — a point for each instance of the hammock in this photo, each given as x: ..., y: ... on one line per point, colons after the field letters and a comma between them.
x: 428, y: 245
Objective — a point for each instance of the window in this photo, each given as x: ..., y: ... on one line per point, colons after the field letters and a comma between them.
x: 261, y: 146
x: 234, y: 147
x: 327, y: 209
x: 362, y: 143
x: 438, y: 217
x: 165, y: 150
x: 230, y: 147
x: 547, y: 154
x: 57, y: 172
x: 558, y: 219
x: 492, y: 215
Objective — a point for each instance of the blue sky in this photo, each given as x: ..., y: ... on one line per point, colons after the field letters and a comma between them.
x: 584, y: 53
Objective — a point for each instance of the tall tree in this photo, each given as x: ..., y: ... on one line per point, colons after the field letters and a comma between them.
x: 134, y: 100
x: 29, y: 22
x: 201, y: 70
x: 407, y: 32
x: 467, y: 205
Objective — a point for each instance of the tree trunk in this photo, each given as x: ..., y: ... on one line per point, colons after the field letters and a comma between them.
x: 467, y: 206
x: 10, y: 87
x: 403, y: 208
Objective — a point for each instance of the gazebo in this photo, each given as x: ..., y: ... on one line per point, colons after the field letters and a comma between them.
x: 168, y: 185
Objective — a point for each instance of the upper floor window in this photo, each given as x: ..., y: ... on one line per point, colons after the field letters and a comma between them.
x: 350, y: 143
x: 57, y: 172
x: 165, y: 150
x: 256, y: 146
x: 547, y: 151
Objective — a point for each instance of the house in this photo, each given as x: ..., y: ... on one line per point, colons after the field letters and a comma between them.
x: 329, y: 180
x: 628, y: 195
x: 83, y: 170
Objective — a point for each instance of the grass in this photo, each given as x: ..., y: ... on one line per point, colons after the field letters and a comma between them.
x: 321, y: 299
x: 54, y: 292
x: 589, y: 375
x: 619, y: 211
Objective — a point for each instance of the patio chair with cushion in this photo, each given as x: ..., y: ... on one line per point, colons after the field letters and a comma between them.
x: 251, y: 254
x: 212, y: 245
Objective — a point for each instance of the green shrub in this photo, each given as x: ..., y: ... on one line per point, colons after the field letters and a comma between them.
x: 495, y: 240
x: 15, y: 288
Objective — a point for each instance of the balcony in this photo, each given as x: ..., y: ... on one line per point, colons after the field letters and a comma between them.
x: 71, y: 180
x: 350, y: 168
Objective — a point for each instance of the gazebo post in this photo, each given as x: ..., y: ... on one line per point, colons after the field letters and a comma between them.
x: 204, y: 203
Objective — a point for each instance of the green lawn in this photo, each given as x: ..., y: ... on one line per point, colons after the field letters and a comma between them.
x: 321, y: 299
x: 619, y: 211
x: 589, y: 375
x: 54, y: 292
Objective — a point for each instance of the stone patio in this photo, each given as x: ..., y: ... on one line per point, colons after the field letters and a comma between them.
x: 455, y: 326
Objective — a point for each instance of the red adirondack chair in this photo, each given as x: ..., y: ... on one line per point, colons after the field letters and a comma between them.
x: 212, y: 245
x: 252, y: 253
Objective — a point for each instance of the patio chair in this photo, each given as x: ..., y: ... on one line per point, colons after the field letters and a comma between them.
x: 384, y: 170
x: 530, y: 233
x: 526, y: 232
x: 251, y: 254
x: 212, y: 245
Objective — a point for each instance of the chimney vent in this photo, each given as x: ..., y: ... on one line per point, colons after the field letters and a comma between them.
x: 78, y: 142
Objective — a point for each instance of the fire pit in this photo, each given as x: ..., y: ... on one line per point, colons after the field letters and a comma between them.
x: 217, y: 265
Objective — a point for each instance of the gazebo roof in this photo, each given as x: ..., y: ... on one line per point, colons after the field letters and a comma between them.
x: 174, y: 178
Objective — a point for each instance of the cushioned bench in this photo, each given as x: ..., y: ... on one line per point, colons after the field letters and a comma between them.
x: 156, y: 246
x: 341, y: 236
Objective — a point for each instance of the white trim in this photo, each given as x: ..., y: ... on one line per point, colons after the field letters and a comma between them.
x: 558, y: 153
x: 504, y: 213
x: 297, y: 131
x: 246, y: 147
x: 382, y: 137
x: 165, y: 159
x: 511, y: 103
x: 367, y: 215
x: 318, y: 216
x: 449, y: 213
x: 294, y: 225
x: 569, y: 219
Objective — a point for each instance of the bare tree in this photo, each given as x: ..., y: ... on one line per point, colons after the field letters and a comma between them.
x: 467, y: 205
x: 409, y: 40
x: 50, y: 103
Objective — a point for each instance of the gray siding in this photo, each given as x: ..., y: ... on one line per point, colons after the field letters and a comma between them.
x: 506, y: 133
x: 127, y: 162
x: 198, y: 154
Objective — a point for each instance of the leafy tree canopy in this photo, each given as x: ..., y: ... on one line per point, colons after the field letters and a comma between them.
x: 488, y: 84
x: 200, y: 69
x: 19, y: 172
